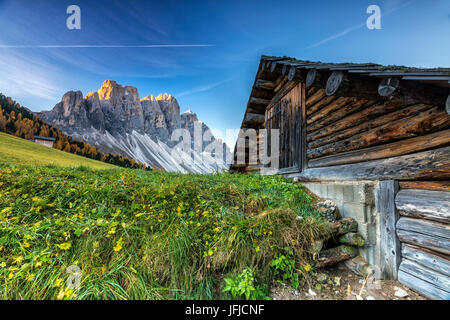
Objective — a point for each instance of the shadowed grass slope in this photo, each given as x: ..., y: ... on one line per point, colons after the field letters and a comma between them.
x: 144, y: 235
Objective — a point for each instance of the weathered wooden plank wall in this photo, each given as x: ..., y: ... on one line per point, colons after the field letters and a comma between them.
x: 424, y: 230
x: 344, y: 129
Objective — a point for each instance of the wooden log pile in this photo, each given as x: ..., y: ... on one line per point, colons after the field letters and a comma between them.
x: 340, y: 244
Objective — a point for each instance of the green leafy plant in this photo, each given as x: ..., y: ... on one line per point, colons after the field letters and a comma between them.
x: 244, y: 285
x: 284, y: 267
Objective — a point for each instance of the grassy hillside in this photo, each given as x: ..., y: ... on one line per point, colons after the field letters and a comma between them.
x: 21, y: 151
x: 149, y: 235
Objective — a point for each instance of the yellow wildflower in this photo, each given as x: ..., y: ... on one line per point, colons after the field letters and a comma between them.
x: 64, y: 246
x: 307, y: 268
x: 118, y: 245
x: 57, y: 283
x: 18, y: 260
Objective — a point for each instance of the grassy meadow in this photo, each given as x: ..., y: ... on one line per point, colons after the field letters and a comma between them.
x: 136, y: 234
x: 17, y: 150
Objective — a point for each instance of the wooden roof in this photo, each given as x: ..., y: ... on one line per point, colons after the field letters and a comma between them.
x: 275, y: 73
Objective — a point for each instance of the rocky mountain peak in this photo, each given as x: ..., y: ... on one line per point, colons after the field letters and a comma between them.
x: 165, y: 97
x: 114, y: 117
x: 150, y: 97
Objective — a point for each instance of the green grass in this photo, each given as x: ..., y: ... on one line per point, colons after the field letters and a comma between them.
x: 146, y: 235
x: 21, y: 151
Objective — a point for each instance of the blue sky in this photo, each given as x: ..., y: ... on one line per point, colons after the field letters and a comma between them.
x: 214, y: 81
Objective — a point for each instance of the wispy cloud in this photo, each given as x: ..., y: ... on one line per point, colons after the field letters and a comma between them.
x: 357, y: 26
x: 28, y: 77
x: 49, y: 46
x: 202, y: 88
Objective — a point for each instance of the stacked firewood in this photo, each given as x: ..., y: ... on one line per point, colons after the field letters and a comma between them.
x: 341, y: 243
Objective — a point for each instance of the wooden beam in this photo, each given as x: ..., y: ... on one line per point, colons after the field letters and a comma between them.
x: 427, y: 165
x: 253, y: 119
x: 265, y: 84
x: 259, y: 101
x: 329, y: 109
x: 425, y: 204
x: 422, y: 286
x: 316, y: 97
x: 362, y: 117
x: 337, y: 113
x: 431, y: 284
x: 286, y: 88
x: 426, y: 185
x: 403, y: 147
x: 427, y: 234
x: 343, y: 84
x: 320, y: 104
x: 280, y: 84
x: 427, y: 121
x: 427, y: 258
x: 303, y: 144
x: 389, y: 242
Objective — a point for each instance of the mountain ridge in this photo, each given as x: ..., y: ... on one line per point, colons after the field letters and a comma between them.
x: 116, y: 120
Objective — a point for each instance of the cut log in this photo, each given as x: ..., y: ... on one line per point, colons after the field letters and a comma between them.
x: 426, y: 204
x: 344, y: 226
x: 435, y: 278
x: 427, y: 185
x: 427, y: 121
x: 311, y: 77
x: 421, y: 286
x: 273, y: 66
x: 427, y: 258
x: 427, y: 165
x: 335, y: 255
x: 388, y: 86
x: 334, y: 82
x: 427, y: 234
x: 403, y: 147
x: 292, y: 72
x: 340, y: 227
x: 352, y: 239
x: 285, y: 69
x: 359, y: 266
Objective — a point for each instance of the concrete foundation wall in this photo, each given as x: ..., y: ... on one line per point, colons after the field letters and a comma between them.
x: 356, y: 199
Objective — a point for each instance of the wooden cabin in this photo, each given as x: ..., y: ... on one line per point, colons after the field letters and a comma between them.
x: 376, y: 141
x: 45, y: 141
